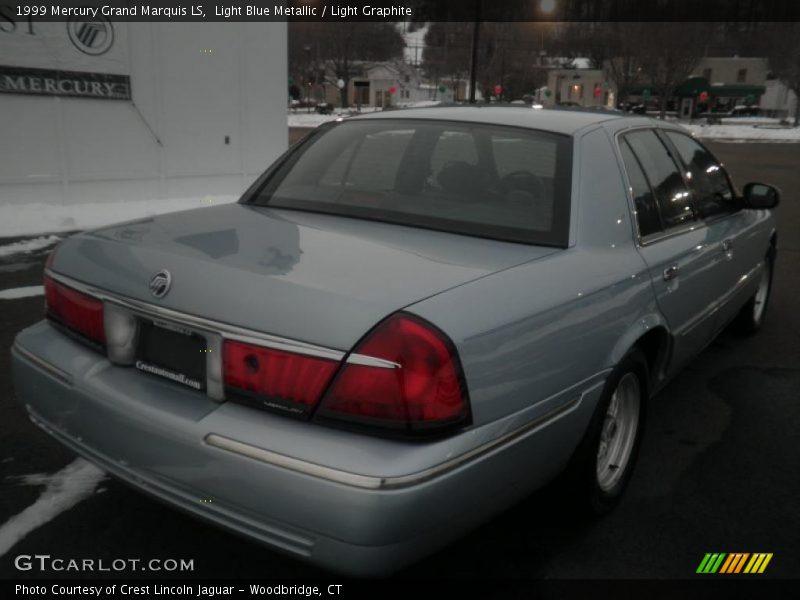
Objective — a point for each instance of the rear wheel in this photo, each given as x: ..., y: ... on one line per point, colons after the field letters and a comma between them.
x: 618, y: 433
x: 752, y: 314
x: 603, y: 462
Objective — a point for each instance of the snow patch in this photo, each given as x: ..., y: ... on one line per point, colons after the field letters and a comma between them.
x: 750, y: 133
x: 305, y: 119
x: 27, y: 219
x: 311, y: 119
x: 27, y: 246
x: 65, y: 489
x: 22, y: 292
x: 419, y: 104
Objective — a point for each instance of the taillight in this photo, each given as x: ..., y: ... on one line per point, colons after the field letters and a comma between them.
x: 274, y: 378
x: 416, y: 386
x: 75, y: 310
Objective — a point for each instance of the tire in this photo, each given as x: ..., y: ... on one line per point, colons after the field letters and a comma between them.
x: 751, y: 317
x: 597, y: 476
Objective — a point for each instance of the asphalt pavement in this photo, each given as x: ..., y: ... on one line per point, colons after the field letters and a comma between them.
x: 719, y: 469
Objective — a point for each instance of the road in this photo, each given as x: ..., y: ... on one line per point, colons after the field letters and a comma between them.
x: 718, y: 469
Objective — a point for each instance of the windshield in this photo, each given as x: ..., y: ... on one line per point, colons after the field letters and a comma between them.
x: 504, y: 183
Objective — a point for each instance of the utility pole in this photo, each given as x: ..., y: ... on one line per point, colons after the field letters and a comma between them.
x: 473, y: 70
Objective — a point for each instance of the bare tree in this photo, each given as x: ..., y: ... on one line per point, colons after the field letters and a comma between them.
x: 784, y: 59
x: 623, y: 67
x: 669, y: 53
x: 447, y: 52
x: 587, y: 40
x: 508, y: 55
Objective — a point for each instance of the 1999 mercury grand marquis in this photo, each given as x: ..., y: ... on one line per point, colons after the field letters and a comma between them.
x: 409, y: 322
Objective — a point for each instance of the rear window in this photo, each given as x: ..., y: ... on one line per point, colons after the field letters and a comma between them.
x: 497, y: 182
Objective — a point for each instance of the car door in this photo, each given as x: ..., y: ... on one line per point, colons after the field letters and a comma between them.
x: 672, y: 242
x: 729, y: 228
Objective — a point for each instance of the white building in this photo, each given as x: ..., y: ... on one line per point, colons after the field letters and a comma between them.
x: 580, y: 87
x: 100, y: 111
x: 778, y: 101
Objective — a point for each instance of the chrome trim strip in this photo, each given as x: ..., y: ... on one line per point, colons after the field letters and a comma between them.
x: 42, y: 364
x: 731, y: 293
x: 371, y: 361
x: 228, y: 331
x: 391, y: 483
x: 719, y: 303
x: 670, y: 233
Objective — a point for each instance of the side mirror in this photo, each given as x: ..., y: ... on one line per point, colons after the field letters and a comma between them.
x: 760, y: 195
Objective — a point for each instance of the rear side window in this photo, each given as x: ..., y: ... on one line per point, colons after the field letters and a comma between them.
x: 707, y: 179
x: 498, y: 182
x: 647, y: 215
x: 666, y: 182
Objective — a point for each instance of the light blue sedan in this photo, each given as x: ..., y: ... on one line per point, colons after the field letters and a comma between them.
x: 411, y: 321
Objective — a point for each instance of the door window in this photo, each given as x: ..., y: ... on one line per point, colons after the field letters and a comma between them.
x: 647, y: 216
x: 666, y: 182
x: 707, y: 179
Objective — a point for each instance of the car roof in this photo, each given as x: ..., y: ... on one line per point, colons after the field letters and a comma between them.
x: 564, y: 121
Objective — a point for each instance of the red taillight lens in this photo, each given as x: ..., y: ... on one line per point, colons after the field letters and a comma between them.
x: 75, y: 310
x: 423, y: 391
x: 277, y: 379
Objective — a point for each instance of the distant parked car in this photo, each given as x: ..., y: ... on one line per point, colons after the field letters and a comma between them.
x: 639, y: 109
x: 745, y: 111
x: 324, y: 108
x: 716, y: 116
x: 408, y: 323
x: 305, y: 103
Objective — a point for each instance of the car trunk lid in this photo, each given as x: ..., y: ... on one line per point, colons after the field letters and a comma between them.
x: 316, y: 278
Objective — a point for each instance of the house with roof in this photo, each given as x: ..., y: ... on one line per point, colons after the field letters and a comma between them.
x: 391, y: 83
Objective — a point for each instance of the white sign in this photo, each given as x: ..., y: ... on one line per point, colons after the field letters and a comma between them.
x: 86, y: 44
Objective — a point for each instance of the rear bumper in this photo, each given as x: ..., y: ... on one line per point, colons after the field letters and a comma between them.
x: 281, y: 484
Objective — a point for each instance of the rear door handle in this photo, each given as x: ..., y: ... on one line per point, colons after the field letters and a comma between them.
x: 670, y: 272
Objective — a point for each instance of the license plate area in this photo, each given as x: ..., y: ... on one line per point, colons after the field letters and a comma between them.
x: 173, y: 353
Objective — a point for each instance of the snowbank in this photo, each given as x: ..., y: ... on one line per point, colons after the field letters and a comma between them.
x: 419, y: 104
x: 31, y: 245
x: 745, y: 133
x: 23, y: 292
x: 310, y: 119
x: 26, y: 219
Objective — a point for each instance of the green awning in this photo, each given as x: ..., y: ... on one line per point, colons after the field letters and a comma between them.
x: 694, y: 86
x: 736, y: 90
